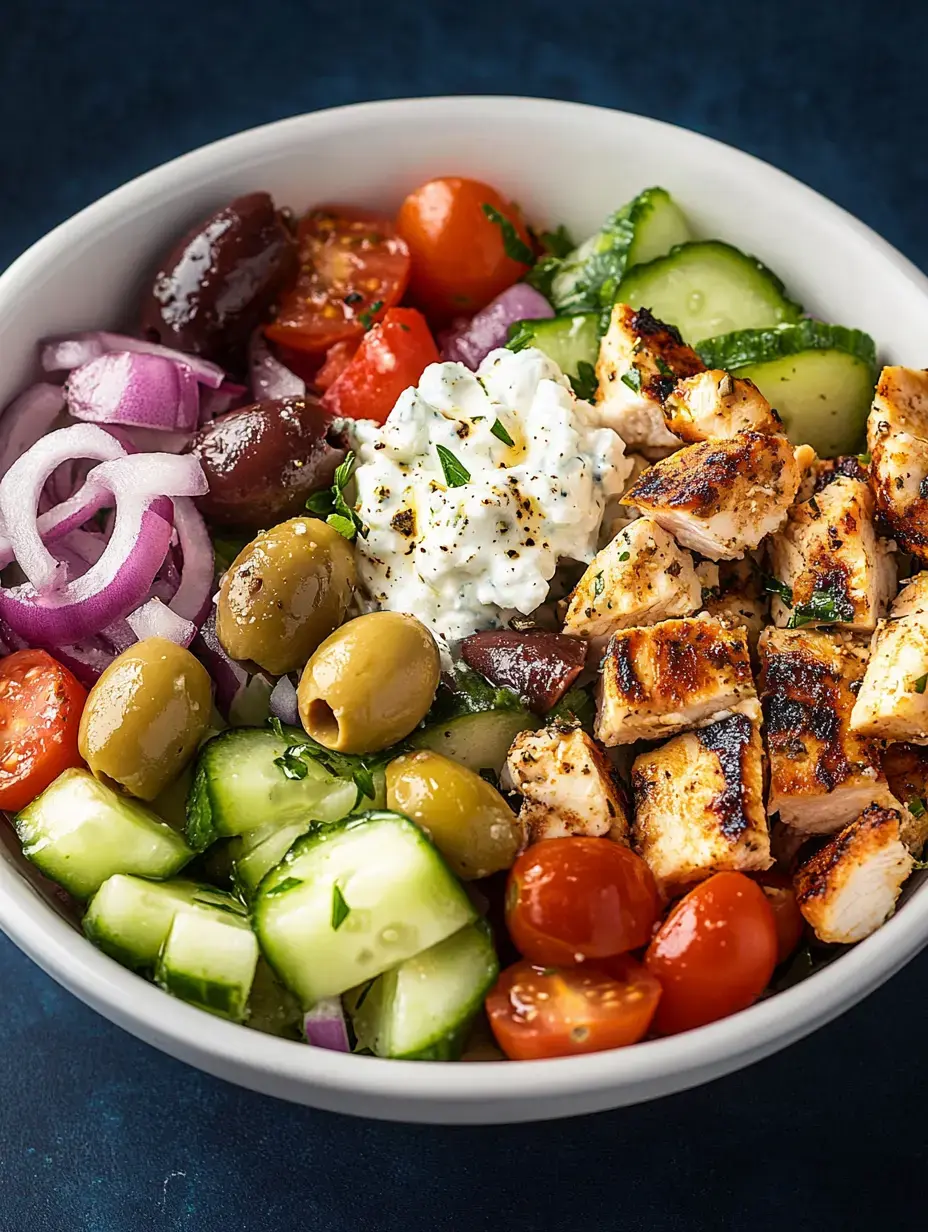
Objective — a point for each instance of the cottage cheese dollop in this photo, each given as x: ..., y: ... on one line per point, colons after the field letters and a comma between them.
x: 460, y: 552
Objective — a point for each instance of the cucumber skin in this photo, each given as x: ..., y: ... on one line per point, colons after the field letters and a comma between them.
x: 746, y: 347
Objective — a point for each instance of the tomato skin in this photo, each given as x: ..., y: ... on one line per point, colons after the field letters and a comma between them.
x: 538, y: 1012
x: 459, y: 261
x: 786, y: 914
x: 337, y: 359
x: 40, y: 713
x: 714, y: 954
x: 353, y: 266
x: 392, y: 356
x: 573, y: 899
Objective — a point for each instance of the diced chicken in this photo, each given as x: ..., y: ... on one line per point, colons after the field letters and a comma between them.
x: 822, y: 774
x: 699, y: 804
x: 912, y: 599
x: 672, y: 676
x: 823, y: 471
x: 640, y: 578
x: 897, y: 437
x: 640, y: 361
x: 567, y: 784
x: 721, y: 498
x: 892, y: 703
x: 906, y: 770
x: 849, y: 887
x: 616, y: 516
x: 736, y: 597
x: 715, y: 404
x: 830, y: 558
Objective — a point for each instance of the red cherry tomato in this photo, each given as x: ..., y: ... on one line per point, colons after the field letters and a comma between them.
x: 40, y: 713
x: 353, y: 266
x: 459, y: 255
x: 714, y: 954
x: 392, y: 356
x: 538, y: 1012
x: 786, y: 914
x: 337, y: 359
x: 571, y: 899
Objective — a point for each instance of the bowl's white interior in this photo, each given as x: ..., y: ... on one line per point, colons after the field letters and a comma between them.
x: 563, y: 163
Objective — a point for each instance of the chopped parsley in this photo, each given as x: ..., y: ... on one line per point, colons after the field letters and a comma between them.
x: 499, y: 431
x: 773, y: 586
x: 822, y: 607
x: 288, y: 883
x: 293, y: 763
x: 367, y: 316
x: 456, y: 475
x: 664, y: 368
x: 916, y: 807
x: 522, y: 336
x: 340, y: 909
x: 513, y: 244
x: 632, y: 378
x: 332, y: 506
x: 557, y: 243
x: 584, y: 383
x: 575, y: 707
x: 623, y: 556
x: 598, y: 584
x: 920, y: 683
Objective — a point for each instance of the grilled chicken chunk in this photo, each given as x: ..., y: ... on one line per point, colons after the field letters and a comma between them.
x: 640, y: 361
x: 699, y: 804
x: 672, y: 676
x: 829, y: 556
x: 641, y: 577
x: 714, y: 404
x: 892, y: 703
x: 823, y: 471
x: 906, y: 769
x: 912, y: 599
x: 721, y: 498
x: 822, y: 774
x: 567, y: 784
x: 849, y: 887
x: 897, y: 437
x: 736, y: 596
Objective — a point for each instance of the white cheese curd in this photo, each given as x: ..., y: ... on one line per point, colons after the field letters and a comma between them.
x: 458, y: 557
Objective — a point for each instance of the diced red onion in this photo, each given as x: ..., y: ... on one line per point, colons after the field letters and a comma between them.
x: 324, y: 1025
x: 269, y: 377
x: 135, y: 391
x: 468, y: 343
x: 26, y: 419
x: 195, y: 589
x: 88, y: 660
x: 155, y: 619
x: 215, y: 402
x: 228, y: 676
x: 283, y: 703
x: 64, y: 354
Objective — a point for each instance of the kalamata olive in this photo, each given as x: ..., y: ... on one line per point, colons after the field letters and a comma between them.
x: 539, y: 666
x: 221, y: 280
x: 285, y: 592
x: 262, y: 461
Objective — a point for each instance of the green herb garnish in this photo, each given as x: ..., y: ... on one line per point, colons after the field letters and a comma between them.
x: 584, y: 383
x: 293, y: 762
x: 916, y: 807
x: 367, y: 316
x: 558, y: 242
x: 632, y: 378
x: 340, y: 909
x: 513, y: 244
x: 920, y: 683
x: 623, y: 556
x: 598, y: 584
x: 522, y: 336
x: 455, y: 474
x: 288, y: 883
x: 773, y: 586
x: 664, y: 368
x: 332, y: 506
x: 576, y: 706
x: 501, y: 434
x: 822, y: 607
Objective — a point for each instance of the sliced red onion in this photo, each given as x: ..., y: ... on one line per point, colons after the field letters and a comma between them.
x: 228, y: 676
x: 155, y: 619
x: 135, y: 391
x: 215, y: 402
x: 468, y: 343
x: 269, y: 377
x: 283, y: 703
x: 64, y: 354
x: 193, y: 597
x: 325, y: 1027
x: 26, y: 419
x: 88, y: 660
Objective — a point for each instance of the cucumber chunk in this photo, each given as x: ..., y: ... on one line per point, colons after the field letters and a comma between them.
x: 569, y: 341
x: 272, y: 1008
x: 209, y: 960
x: 645, y: 228
x: 819, y: 377
x: 352, y: 899
x: 237, y: 787
x: 478, y: 741
x: 707, y: 288
x: 129, y: 917
x: 423, y: 1008
x: 79, y: 832
x: 260, y: 851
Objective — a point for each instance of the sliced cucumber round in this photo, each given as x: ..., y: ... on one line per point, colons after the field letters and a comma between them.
x: 478, y: 741
x: 569, y: 341
x: 706, y: 288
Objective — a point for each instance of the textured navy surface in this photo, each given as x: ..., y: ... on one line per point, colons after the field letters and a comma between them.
x: 99, y: 1133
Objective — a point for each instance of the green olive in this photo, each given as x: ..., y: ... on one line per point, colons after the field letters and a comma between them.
x: 145, y: 717
x: 468, y: 820
x: 286, y: 592
x: 370, y: 683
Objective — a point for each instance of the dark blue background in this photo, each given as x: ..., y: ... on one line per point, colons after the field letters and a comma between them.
x: 99, y: 1132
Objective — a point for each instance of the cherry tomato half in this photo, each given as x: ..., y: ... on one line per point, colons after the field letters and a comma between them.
x: 461, y: 258
x: 337, y: 359
x: 786, y: 914
x: 353, y: 266
x: 40, y: 713
x: 571, y: 899
x: 714, y: 954
x: 538, y: 1012
x: 392, y: 356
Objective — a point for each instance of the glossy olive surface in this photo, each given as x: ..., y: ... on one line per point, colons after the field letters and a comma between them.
x: 145, y: 717
x: 221, y: 280
x: 538, y: 665
x: 262, y: 461
x: 467, y: 819
x: 284, y: 594
x: 370, y: 683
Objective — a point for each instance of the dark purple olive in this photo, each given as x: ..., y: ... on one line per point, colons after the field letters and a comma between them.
x: 539, y: 666
x: 263, y: 461
x: 221, y: 281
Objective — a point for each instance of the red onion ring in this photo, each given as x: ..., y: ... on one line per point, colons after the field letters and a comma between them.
x: 63, y: 354
x: 27, y: 419
x: 193, y: 597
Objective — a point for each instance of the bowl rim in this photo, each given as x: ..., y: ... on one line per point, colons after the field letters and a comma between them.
x: 649, y: 1068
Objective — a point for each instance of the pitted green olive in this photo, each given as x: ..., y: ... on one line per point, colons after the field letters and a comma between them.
x: 145, y: 716
x: 467, y: 819
x: 370, y: 683
x: 286, y: 592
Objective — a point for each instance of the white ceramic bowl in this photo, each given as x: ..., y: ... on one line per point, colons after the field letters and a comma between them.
x: 562, y: 162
